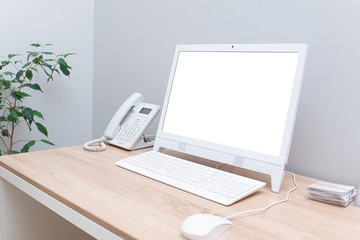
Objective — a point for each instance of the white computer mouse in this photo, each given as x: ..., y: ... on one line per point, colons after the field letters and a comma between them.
x: 204, y: 226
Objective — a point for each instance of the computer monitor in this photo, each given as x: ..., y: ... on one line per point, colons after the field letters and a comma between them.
x: 234, y: 104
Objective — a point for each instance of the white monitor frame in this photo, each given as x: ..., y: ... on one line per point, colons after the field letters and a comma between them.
x: 271, y: 165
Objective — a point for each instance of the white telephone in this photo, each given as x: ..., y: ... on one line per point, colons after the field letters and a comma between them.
x: 126, y: 127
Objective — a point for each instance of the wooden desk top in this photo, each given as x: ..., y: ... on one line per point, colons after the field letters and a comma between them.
x: 137, y: 207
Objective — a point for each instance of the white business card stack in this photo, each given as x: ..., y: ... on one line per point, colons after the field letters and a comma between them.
x: 332, y: 193
x: 357, y: 199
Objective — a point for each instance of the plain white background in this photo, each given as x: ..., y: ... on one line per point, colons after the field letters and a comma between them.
x: 135, y: 41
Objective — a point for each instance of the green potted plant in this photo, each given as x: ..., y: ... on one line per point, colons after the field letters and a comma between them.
x: 17, y: 81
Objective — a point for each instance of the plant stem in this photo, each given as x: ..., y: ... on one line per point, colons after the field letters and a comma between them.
x: 15, y: 102
x: 12, y: 135
x: 4, y: 143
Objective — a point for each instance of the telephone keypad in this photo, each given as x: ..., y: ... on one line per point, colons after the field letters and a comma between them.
x: 129, y: 131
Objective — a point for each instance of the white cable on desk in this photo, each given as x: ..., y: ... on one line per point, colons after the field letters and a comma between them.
x: 99, y: 148
x: 269, y: 206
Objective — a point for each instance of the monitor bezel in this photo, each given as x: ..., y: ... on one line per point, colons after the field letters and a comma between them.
x: 204, y: 148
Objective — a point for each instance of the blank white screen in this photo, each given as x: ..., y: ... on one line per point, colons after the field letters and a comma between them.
x: 237, y: 99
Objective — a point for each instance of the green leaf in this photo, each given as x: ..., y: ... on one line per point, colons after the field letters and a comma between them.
x: 28, y: 146
x: 12, y: 55
x: 56, y: 71
x: 6, y: 84
x: 36, y: 45
x: 61, y: 61
x: 22, y: 94
x: 26, y: 64
x: 2, y: 119
x: 28, y: 113
x: 64, y: 70
x: 30, y: 54
x: 9, y: 73
x: 48, y: 74
x: 14, y: 114
x: 64, y: 67
x: 34, y: 86
x: 19, y: 95
x: 50, y: 77
x: 15, y: 96
x: 41, y: 128
x: 43, y: 63
x: 38, y: 114
x: 13, y: 152
x: 10, y: 118
x: 29, y: 74
x: 5, y: 133
x: 47, y: 142
x: 38, y: 59
x: 48, y: 53
x: 19, y: 74
x: 34, y: 69
x: 68, y: 54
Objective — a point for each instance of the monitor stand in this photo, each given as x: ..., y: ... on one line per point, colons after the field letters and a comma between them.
x: 276, y: 171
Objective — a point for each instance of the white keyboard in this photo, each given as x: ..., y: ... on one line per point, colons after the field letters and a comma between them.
x: 213, y: 184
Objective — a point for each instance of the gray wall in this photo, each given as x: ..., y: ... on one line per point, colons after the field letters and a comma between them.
x: 66, y: 102
x: 135, y: 40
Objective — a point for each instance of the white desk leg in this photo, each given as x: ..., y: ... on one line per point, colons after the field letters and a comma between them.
x: 22, y: 217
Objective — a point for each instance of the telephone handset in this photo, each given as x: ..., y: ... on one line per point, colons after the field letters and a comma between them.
x: 126, y: 127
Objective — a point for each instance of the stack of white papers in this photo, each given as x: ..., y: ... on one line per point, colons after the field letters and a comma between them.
x: 357, y: 199
x: 333, y: 193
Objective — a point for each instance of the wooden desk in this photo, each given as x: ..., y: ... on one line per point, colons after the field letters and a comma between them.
x: 106, y: 201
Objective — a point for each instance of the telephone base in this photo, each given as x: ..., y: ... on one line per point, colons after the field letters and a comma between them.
x: 142, y: 144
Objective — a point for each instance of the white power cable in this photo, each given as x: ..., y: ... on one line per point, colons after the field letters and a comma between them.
x: 269, y: 206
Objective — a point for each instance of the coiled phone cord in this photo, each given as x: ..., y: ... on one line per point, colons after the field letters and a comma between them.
x: 99, y: 148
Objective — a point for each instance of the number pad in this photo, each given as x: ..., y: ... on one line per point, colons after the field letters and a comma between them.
x: 130, y: 131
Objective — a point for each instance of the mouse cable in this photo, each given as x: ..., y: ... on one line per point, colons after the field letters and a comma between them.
x: 269, y: 206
